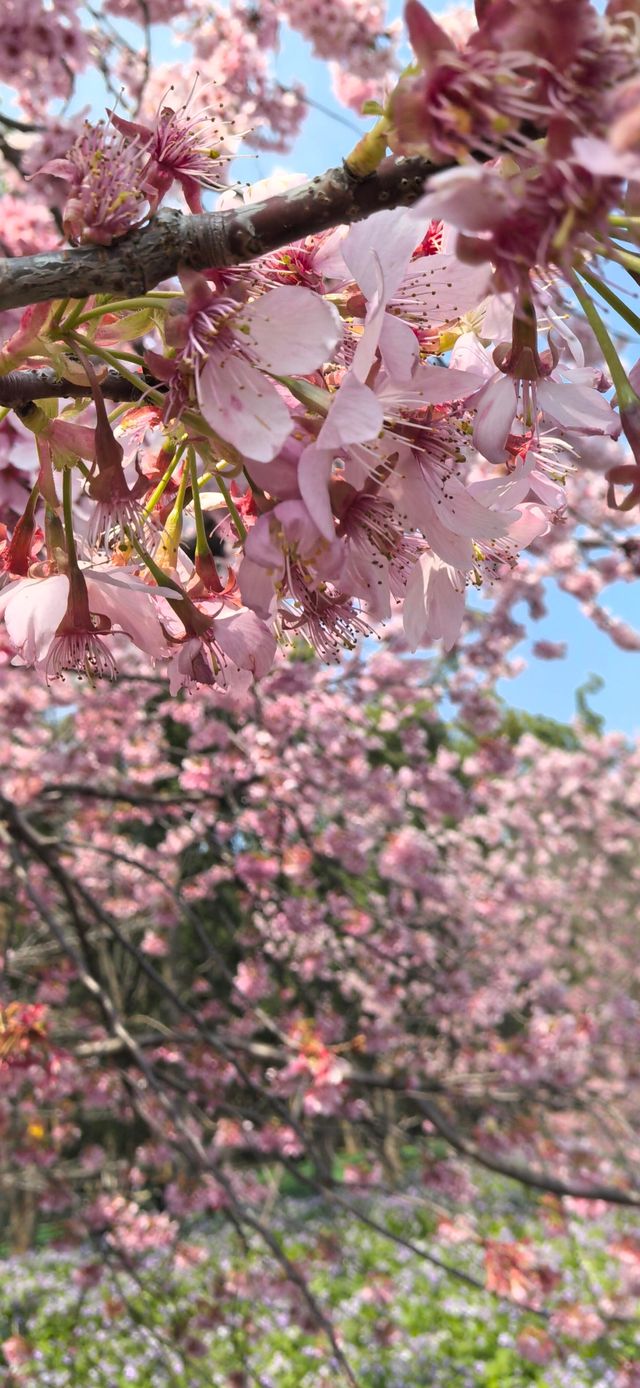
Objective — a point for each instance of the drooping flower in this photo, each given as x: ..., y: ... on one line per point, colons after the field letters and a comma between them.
x: 434, y: 603
x: 430, y: 492
x: 370, y: 428
x: 291, y: 571
x: 285, y: 554
x: 59, y: 621
x: 222, y: 643
x: 380, y: 553
x: 523, y: 392
x: 52, y: 626
x: 117, y: 504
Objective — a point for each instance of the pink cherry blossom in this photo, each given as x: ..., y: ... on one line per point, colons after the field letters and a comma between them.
x: 106, y: 187
x: 34, y: 612
x: 230, y: 345
x: 223, y: 645
x: 186, y: 146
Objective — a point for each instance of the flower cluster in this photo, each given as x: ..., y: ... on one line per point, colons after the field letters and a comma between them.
x: 540, y: 110
x: 118, y: 173
x: 361, y: 424
x: 353, y: 472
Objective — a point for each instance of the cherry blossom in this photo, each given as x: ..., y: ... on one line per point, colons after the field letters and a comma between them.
x: 106, y: 188
x: 183, y: 146
x: 352, y: 921
x: 58, y: 622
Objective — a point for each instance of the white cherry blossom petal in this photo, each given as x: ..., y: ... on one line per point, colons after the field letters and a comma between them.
x: 314, y: 476
x: 496, y: 409
x: 356, y: 416
x: 243, y: 407
x: 577, y: 407
x: 398, y: 348
x: 289, y: 329
x: 441, y: 289
x: 387, y: 240
x: 33, y: 610
x: 434, y: 603
x: 245, y: 640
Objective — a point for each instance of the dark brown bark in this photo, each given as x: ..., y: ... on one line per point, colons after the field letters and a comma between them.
x: 210, y: 240
x: 517, y: 1171
x: 19, y: 387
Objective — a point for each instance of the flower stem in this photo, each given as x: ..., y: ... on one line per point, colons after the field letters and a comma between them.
x: 160, y: 299
x: 109, y: 357
x: 624, y: 390
x: 67, y: 511
x: 630, y: 261
x: 118, y: 410
x: 89, y: 345
x: 238, y: 523
x: 61, y: 309
x: 166, y: 478
x: 74, y: 316
x: 202, y: 544
x: 163, y: 579
x: 610, y: 297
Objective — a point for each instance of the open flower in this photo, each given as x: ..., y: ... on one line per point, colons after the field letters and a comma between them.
x: 286, y: 554
x: 289, y: 567
x: 181, y: 146
x: 230, y: 345
x: 59, y: 622
x: 526, y: 392
x: 380, y: 553
x: 369, y: 429
x: 106, y: 198
x: 398, y: 286
x: 222, y: 643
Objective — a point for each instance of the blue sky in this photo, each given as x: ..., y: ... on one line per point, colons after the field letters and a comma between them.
x: 545, y: 686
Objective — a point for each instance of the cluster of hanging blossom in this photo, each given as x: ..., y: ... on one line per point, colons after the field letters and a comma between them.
x: 368, y: 421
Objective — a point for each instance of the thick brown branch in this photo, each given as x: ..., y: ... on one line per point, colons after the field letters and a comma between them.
x: 19, y: 387
x: 211, y: 240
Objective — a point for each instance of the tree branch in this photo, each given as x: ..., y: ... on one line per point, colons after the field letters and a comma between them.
x: 19, y: 387
x: 211, y: 240
x: 516, y: 1171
